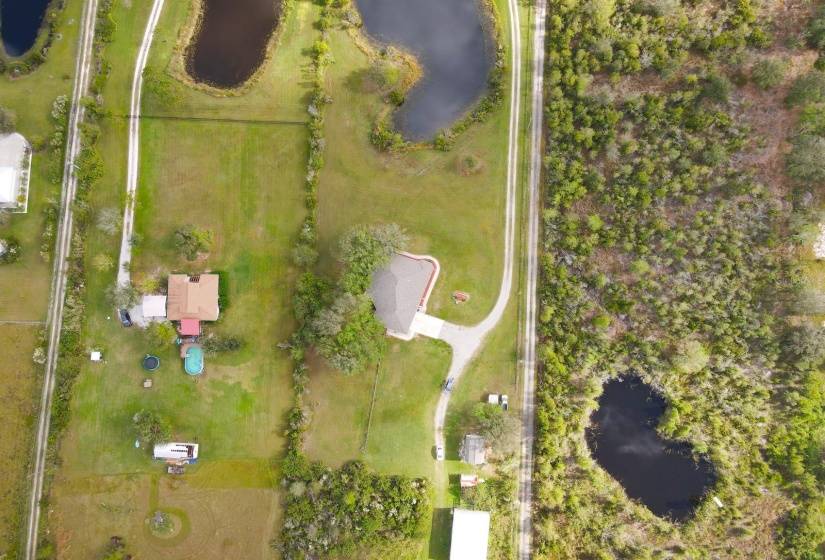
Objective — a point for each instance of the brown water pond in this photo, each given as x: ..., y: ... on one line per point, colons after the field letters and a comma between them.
x: 230, y: 43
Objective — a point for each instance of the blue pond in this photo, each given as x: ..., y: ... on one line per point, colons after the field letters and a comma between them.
x: 448, y: 38
x: 661, y: 474
x: 20, y: 21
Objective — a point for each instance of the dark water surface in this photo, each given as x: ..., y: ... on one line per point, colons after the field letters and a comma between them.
x: 20, y: 20
x: 232, y: 39
x: 661, y: 474
x: 450, y: 43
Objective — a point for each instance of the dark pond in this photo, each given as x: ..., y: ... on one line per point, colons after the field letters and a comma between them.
x: 232, y: 39
x: 661, y: 474
x: 451, y: 45
x: 20, y: 20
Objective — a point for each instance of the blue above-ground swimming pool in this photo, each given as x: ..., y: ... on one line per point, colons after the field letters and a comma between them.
x: 193, y: 362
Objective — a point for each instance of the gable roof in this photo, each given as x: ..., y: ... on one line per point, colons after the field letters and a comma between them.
x: 192, y: 297
x: 473, y: 449
x: 471, y: 533
x: 7, y: 186
x: 398, y: 290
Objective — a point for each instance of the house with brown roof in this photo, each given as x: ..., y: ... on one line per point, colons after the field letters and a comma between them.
x: 192, y: 297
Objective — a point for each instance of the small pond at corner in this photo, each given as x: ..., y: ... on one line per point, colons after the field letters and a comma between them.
x: 231, y: 41
x: 20, y: 20
x: 662, y: 474
x: 448, y: 39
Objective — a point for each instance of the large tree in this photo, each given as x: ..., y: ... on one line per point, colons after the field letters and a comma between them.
x: 153, y: 428
x: 191, y: 241
x: 366, y: 248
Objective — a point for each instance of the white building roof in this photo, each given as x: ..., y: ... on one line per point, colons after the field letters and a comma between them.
x: 176, y: 451
x: 96, y: 356
x: 471, y: 531
x: 7, y: 185
x: 154, y: 306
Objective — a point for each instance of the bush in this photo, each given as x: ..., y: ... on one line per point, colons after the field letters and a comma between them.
x: 805, y: 162
x: 122, y: 297
x: 768, y: 73
x: 213, y: 345
x: 816, y: 29
x: 191, y: 241
x: 8, y: 121
x: 384, y: 74
x: 152, y: 428
x: 807, y: 88
x: 691, y: 357
x: 717, y: 89
x: 11, y: 250
x: 160, y: 335
x: 103, y: 263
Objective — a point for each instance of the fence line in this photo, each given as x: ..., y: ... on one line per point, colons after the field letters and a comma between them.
x: 212, y: 119
x: 372, y: 406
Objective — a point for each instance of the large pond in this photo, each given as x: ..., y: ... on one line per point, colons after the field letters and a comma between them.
x: 662, y: 474
x: 451, y: 45
x: 232, y: 40
x: 20, y: 20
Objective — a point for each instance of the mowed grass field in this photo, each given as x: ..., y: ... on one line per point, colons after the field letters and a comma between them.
x: 245, y: 182
x: 24, y: 286
x: 19, y: 380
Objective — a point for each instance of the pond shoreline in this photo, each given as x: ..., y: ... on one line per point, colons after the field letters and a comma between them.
x: 665, y: 475
x: 489, y: 97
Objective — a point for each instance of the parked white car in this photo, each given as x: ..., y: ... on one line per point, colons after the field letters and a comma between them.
x: 504, y: 402
x: 439, y: 453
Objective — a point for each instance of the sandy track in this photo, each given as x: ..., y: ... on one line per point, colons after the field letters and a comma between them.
x: 83, y: 70
x: 123, y: 275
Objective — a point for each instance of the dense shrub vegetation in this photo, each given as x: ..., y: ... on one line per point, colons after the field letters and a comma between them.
x: 665, y: 254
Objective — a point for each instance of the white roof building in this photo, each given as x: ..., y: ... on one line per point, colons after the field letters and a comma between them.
x: 471, y: 532
x: 176, y: 452
x: 154, y: 306
x: 8, y: 186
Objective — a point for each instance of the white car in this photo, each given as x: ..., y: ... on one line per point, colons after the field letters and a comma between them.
x: 504, y: 402
x: 439, y: 453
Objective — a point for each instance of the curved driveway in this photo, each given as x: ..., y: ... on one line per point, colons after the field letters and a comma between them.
x: 466, y: 341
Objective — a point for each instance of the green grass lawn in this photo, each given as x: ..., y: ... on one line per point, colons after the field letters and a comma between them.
x: 246, y: 183
x: 24, y: 286
x: 19, y: 379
